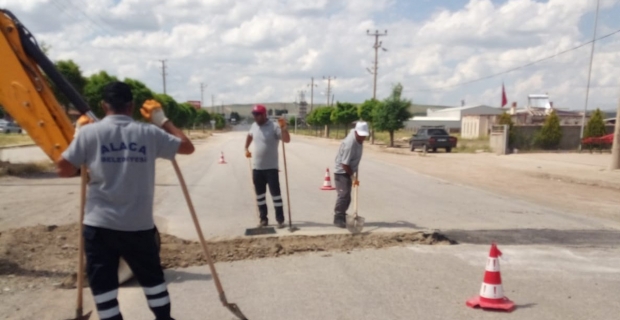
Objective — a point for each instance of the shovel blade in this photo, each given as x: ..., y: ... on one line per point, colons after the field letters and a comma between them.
x: 234, y: 309
x: 355, y: 224
x: 81, y: 316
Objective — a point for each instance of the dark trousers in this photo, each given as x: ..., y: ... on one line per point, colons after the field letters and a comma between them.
x: 270, y: 177
x: 344, y: 184
x: 104, y: 248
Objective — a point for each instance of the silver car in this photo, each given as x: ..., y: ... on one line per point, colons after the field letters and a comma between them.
x: 9, y: 127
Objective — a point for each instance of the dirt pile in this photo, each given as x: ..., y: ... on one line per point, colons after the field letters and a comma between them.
x: 39, y: 256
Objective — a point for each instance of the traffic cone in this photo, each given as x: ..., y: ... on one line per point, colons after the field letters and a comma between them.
x: 222, y: 161
x: 492, y: 293
x: 327, y: 183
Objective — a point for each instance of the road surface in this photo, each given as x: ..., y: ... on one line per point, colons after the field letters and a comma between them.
x: 561, y: 265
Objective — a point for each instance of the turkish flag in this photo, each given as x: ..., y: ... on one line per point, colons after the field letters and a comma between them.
x: 504, y: 99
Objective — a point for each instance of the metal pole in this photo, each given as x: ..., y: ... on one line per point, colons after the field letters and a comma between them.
x: 312, y: 95
x: 163, y: 73
x: 374, y: 87
x: 615, y: 149
x: 585, y: 108
x: 296, y: 121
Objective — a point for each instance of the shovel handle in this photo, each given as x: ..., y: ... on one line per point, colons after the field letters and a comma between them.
x: 203, y: 242
x: 80, y: 270
x: 288, y: 197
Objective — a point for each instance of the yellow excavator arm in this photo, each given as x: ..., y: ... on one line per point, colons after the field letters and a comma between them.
x: 25, y: 93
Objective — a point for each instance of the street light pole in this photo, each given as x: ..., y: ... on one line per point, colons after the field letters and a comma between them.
x: 585, y: 108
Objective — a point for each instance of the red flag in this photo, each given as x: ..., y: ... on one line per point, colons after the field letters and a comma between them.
x: 504, y: 99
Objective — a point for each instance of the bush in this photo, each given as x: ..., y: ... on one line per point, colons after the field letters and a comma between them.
x: 596, y: 125
x: 506, y: 119
x: 550, y: 134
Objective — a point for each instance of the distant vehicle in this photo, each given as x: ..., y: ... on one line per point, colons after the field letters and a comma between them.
x: 432, y: 139
x: 9, y: 127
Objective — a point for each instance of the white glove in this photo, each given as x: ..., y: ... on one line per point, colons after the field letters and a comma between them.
x: 151, y: 110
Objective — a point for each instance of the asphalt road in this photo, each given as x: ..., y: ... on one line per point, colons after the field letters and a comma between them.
x: 560, y: 265
x: 392, y: 198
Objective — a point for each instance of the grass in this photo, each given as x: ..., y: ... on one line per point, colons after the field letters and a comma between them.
x: 23, y: 169
x: 472, y: 145
x: 14, y: 139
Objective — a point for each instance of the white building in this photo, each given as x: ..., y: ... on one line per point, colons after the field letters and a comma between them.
x: 450, y: 118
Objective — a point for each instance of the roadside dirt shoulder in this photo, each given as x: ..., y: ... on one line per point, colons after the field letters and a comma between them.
x: 575, y: 183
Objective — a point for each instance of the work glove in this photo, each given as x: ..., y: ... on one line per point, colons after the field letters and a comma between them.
x: 282, y: 123
x: 248, y: 154
x: 81, y: 121
x: 152, y: 111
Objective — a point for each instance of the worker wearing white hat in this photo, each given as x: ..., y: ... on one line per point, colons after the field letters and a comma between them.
x: 347, y: 164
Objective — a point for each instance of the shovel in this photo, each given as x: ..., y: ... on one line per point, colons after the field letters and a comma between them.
x: 355, y: 223
x: 233, y: 308
x: 291, y: 228
x: 79, y: 311
x: 260, y: 229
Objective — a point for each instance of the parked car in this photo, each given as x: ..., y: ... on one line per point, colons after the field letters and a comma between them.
x: 9, y: 127
x: 432, y: 139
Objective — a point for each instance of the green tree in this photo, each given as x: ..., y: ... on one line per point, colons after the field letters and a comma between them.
x: 220, y: 122
x: 140, y: 94
x: 392, y: 113
x: 202, y: 118
x: 366, y: 110
x: 596, y: 125
x: 506, y: 119
x: 171, y: 108
x: 291, y: 121
x: 185, y: 116
x: 344, y: 114
x: 323, y: 118
x: 70, y: 71
x: 93, y: 91
x: 550, y: 134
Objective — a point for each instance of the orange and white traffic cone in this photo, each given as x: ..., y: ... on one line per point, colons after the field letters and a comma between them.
x: 222, y: 161
x: 327, y: 183
x: 492, y: 293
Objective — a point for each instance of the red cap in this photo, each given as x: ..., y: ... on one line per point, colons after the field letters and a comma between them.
x: 259, y: 109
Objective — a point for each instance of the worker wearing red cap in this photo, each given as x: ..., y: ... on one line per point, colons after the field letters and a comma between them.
x: 266, y: 136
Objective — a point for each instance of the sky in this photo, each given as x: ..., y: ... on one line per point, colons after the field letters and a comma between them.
x: 255, y: 51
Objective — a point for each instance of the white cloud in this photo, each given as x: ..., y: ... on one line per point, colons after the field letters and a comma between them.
x: 266, y: 50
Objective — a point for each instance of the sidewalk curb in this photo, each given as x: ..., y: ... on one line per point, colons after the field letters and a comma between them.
x: 14, y: 146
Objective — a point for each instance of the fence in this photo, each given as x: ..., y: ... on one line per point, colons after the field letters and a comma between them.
x: 499, y: 139
x: 524, y: 136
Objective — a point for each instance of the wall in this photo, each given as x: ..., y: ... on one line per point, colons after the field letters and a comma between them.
x: 570, y: 136
x: 415, y: 124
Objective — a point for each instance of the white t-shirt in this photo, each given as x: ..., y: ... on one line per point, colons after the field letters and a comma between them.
x: 265, y: 139
x: 120, y: 155
x: 350, y: 153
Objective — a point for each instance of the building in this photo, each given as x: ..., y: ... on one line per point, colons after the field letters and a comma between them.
x: 450, y: 118
x: 538, y: 108
x: 475, y: 126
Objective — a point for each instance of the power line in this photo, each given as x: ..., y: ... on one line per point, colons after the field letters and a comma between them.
x: 88, y: 17
x: 64, y: 10
x: 519, y: 67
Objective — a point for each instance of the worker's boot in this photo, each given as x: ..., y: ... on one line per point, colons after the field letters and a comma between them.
x: 340, y: 220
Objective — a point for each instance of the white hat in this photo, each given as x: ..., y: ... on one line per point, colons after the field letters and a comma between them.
x: 361, y: 128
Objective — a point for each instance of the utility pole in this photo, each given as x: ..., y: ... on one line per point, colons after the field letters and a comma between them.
x: 163, y: 73
x: 312, y: 85
x: 329, y: 87
x: 212, y: 103
x: 376, y: 46
x: 333, y: 95
x: 585, y: 108
x: 202, y: 96
x: 615, y: 149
